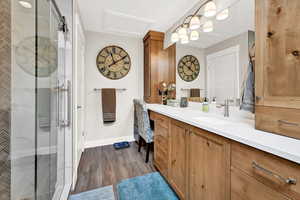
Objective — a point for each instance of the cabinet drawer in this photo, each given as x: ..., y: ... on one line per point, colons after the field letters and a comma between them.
x: 161, y: 161
x: 282, y: 121
x: 245, y: 187
x: 161, y: 130
x: 270, y: 170
x: 160, y: 119
x: 161, y: 143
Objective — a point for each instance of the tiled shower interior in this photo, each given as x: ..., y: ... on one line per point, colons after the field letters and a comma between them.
x: 5, y: 77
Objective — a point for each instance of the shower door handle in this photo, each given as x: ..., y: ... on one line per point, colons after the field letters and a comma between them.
x: 67, y: 89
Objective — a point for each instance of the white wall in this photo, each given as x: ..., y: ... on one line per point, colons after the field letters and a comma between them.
x: 199, y: 82
x: 96, y: 132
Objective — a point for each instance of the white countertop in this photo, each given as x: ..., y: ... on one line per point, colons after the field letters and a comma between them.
x: 238, y: 129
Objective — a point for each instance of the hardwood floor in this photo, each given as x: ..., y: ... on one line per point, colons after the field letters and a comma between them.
x: 102, y: 166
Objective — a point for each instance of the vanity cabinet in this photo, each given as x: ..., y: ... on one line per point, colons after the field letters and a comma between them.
x: 159, y: 65
x: 178, y: 158
x: 209, y: 166
x: 277, y: 67
x: 202, y: 165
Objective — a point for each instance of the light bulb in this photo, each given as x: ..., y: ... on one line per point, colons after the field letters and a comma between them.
x: 195, y: 23
x: 210, y: 9
x: 194, y: 35
x: 25, y: 4
x: 182, y: 32
x: 175, y: 37
x: 208, y: 26
x: 223, y: 15
x: 185, y: 40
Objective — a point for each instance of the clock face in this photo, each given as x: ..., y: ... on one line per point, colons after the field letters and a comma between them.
x: 188, y: 68
x: 113, y: 62
x: 46, y: 57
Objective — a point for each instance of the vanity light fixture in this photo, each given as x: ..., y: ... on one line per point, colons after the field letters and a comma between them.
x: 194, y: 35
x: 182, y: 32
x: 185, y: 40
x: 210, y: 9
x: 187, y: 30
x: 195, y: 22
x: 208, y: 27
x: 175, y: 37
x: 224, y: 14
x: 25, y: 4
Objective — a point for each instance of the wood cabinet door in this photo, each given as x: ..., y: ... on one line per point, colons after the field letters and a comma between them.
x: 178, y: 161
x: 209, y: 167
x: 278, y: 53
x: 147, y: 71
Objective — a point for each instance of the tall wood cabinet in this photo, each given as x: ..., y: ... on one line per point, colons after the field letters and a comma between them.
x: 277, y: 70
x: 159, y: 65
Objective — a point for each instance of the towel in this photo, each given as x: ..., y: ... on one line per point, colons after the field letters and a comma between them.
x: 109, y: 105
x: 247, y: 102
x: 195, y: 92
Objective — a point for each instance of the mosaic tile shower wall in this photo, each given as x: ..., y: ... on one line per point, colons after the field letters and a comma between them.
x: 5, y: 79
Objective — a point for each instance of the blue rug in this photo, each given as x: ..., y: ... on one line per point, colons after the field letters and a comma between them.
x: 148, y: 187
x: 104, y: 193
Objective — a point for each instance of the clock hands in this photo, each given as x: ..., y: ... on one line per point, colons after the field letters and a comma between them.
x: 115, y: 62
x: 112, y: 58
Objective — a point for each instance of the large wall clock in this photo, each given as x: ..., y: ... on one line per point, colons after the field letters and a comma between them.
x: 188, y: 68
x: 113, y: 62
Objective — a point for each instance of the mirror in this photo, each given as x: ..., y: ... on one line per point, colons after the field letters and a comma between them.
x: 222, y: 44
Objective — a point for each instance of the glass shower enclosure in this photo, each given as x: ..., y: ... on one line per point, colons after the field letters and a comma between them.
x: 41, y: 100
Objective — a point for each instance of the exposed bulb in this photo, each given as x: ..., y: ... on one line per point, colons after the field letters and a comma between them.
x: 195, y: 23
x: 185, y: 40
x: 208, y: 26
x: 194, y: 35
x: 210, y: 9
x: 175, y: 37
x: 223, y: 15
x: 182, y: 32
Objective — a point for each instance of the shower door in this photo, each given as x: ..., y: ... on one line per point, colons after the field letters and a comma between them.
x: 52, y: 97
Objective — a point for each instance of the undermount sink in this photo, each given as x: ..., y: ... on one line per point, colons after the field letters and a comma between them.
x: 212, y: 120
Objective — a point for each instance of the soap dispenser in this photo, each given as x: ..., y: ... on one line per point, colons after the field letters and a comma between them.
x: 205, y: 105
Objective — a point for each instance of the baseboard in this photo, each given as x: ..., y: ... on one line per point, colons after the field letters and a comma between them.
x: 31, y: 152
x: 99, y: 143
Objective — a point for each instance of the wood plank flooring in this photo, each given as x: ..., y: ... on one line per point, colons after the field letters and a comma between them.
x: 102, y: 166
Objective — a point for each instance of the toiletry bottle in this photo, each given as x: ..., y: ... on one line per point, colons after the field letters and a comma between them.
x: 205, y: 105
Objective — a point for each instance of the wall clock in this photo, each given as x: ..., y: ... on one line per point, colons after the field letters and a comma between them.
x: 47, y: 56
x: 188, y: 68
x: 113, y: 62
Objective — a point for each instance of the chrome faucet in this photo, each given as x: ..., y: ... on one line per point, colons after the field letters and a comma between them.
x: 226, y: 106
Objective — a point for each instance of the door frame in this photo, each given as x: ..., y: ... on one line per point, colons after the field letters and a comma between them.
x: 231, y: 50
x: 78, y: 30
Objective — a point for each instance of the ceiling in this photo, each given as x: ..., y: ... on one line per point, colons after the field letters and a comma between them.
x: 132, y: 17
x: 241, y: 19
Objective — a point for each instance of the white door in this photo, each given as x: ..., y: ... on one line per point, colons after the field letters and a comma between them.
x: 223, y: 74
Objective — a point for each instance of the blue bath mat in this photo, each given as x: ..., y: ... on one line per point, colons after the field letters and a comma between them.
x: 148, y: 187
x: 104, y: 193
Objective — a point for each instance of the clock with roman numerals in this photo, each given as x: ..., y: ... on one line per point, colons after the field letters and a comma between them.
x: 188, y: 68
x: 113, y: 62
